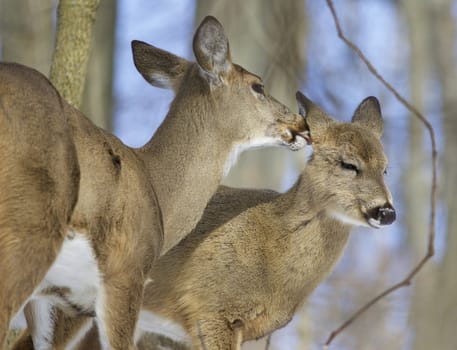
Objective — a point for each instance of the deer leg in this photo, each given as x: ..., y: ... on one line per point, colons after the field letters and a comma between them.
x: 237, y: 335
x: 40, y: 326
x: 24, y: 260
x: 70, y: 330
x: 23, y: 341
x: 40, y: 322
x: 215, y: 334
x: 51, y: 328
x: 150, y: 341
x: 33, y: 223
x: 91, y: 340
x: 117, y: 309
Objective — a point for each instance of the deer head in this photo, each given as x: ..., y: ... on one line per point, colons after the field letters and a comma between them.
x: 218, y: 94
x: 351, y: 163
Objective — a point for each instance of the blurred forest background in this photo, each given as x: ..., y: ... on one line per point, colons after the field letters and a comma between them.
x: 293, y: 45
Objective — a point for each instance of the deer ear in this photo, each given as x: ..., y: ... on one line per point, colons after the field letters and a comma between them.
x: 159, y: 67
x: 368, y: 114
x: 304, y: 104
x: 211, y: 49
x: 316, y: 119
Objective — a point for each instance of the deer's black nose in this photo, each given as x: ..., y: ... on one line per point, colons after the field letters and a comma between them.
x: 384, y: 215
x: 387, y: 214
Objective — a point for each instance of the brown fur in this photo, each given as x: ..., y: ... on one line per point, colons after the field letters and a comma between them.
x: 39, y: 177
x: 215, y: 110
x: 256, y: 255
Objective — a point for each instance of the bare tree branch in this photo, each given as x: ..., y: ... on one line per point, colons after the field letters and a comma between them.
x: 267, y: 345
x: 433, y: 193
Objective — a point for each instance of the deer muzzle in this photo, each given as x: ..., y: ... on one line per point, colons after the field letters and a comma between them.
x: 381, y: 216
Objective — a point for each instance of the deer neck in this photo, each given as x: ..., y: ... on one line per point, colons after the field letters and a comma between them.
x: 186, y: 164
x: 301, y: 203
x: 311, y: 241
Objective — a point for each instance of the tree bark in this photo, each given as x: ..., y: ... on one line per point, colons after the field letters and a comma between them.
x: 266, y: 37
x: 416, y: 182
x: 442, y: 298
x: 73, y: 42
x: 432, y: 312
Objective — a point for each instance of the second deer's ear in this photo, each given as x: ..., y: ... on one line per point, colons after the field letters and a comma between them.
x: 159, y: 67
x: 316, y: 119
x: 368, y: 114
x: 211, y: 49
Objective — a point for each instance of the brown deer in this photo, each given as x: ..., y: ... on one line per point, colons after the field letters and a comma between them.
x: 136, y: 204
x: 256, y: 255
x: 39, y: 179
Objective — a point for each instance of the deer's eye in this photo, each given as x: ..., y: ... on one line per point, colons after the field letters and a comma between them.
x: 385, y: 172
x: 349, y: 166
x: 258, y: 88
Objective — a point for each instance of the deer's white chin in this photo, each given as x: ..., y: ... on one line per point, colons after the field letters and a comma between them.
x: 346, y: 219
x: 298, y: 143
x: 374, y: 223
x: 259, y: 142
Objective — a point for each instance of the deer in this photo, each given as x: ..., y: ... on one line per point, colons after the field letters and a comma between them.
x: 256, y: 255
x: 135, y: 204
x: 39, y: 180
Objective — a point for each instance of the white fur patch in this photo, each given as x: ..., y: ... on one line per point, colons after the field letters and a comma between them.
x: 76, y: 268
x: 149, y: 322
x: 100, y: 312
x: 374, y: 223
x: 239, y: 148
x: 298, y: 144
x: 162, y: 81
x: 346, y: 219
x: 42, y: 310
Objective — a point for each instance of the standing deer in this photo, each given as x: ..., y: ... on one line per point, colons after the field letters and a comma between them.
x: 136, y: 204
x: 39, y: 179
x: 256, y: 255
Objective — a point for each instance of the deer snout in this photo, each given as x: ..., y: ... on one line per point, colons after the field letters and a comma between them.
x: 381, y: 216
x: 296, y: 135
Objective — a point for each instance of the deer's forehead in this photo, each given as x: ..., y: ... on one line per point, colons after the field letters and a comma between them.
x: 359, y: 144
x: 239, y: 73
x: 371, y: 153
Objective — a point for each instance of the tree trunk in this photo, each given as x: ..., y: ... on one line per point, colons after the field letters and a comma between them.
x: 73, y: 42
x: 416, y: 179
x: 266, y: 37
x: 442, y: 297
x: 433, y: 314
x: 26, y: 41
x: 97, y: 98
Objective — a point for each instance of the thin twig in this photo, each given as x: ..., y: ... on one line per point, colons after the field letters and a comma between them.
x: 433, y: 193
x: 267, y: 345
